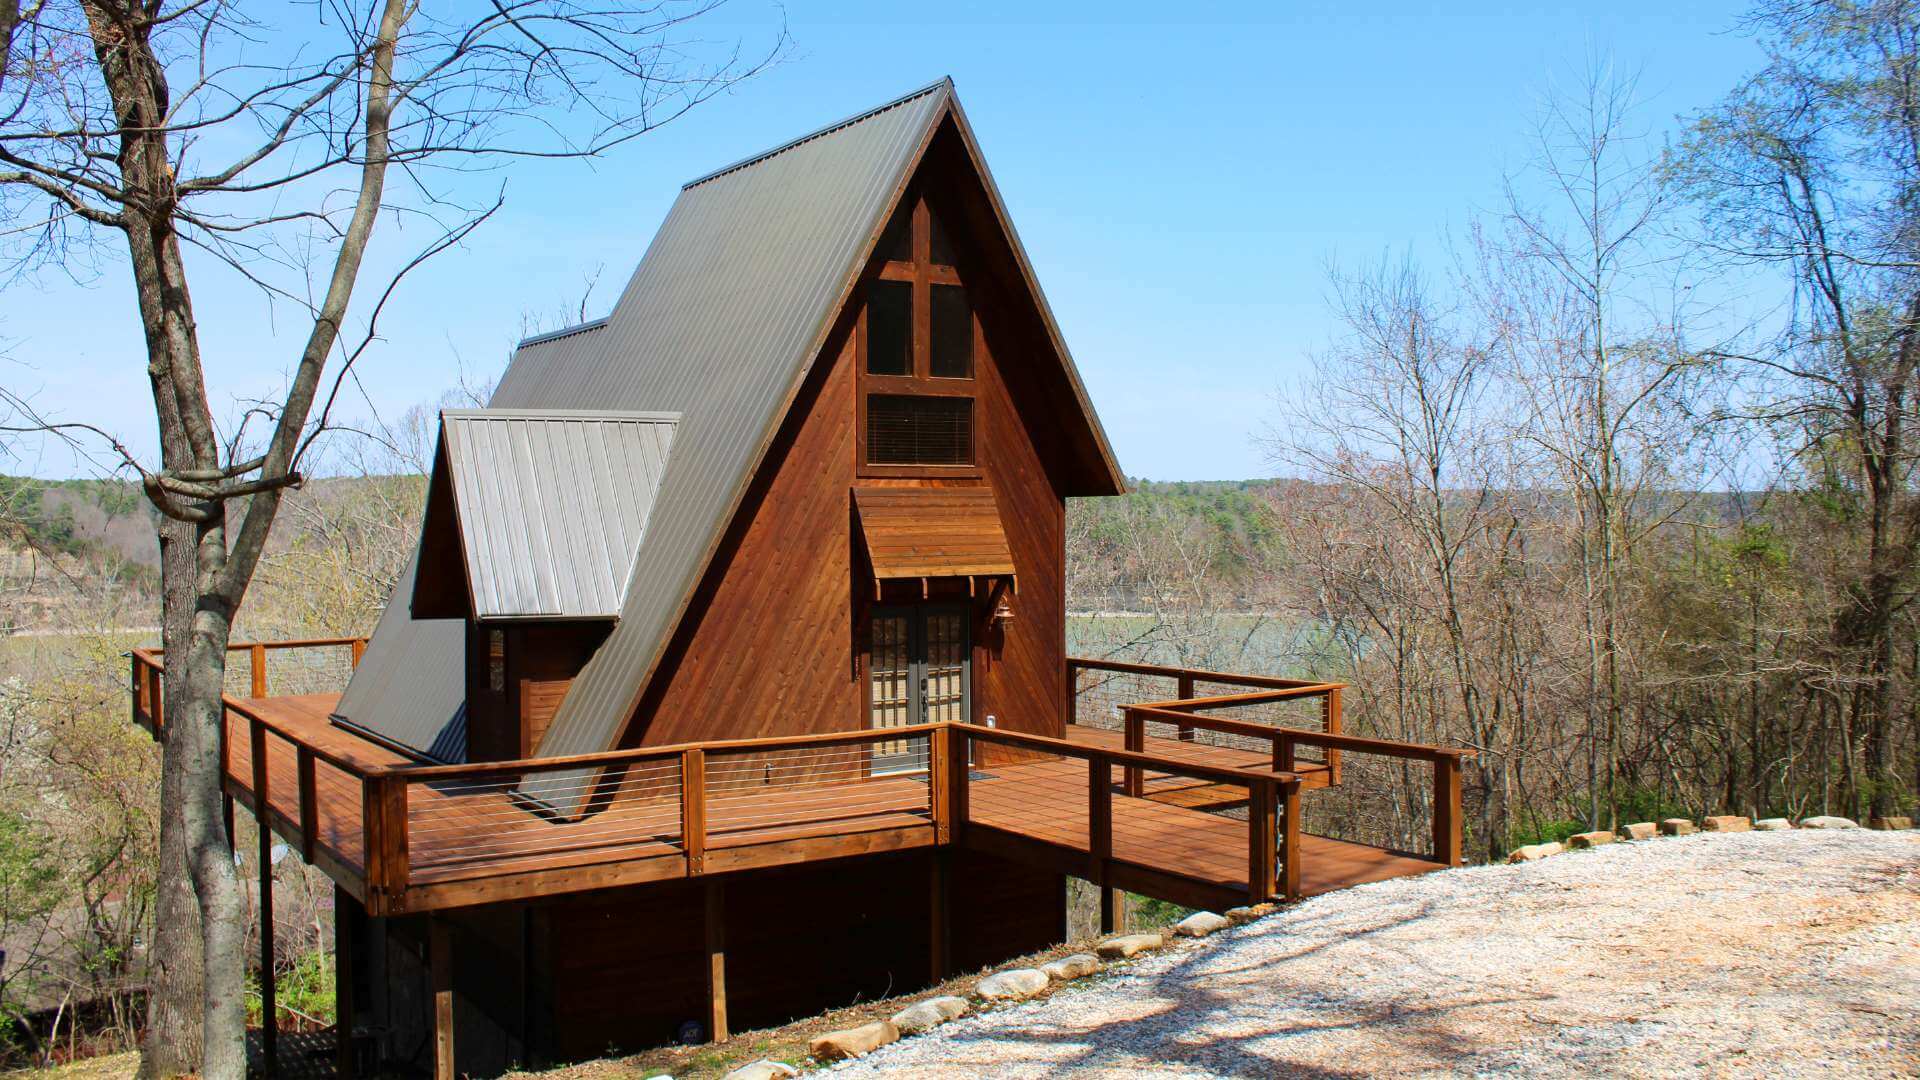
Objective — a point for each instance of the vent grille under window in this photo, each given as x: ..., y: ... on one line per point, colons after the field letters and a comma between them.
x: 904, y: 430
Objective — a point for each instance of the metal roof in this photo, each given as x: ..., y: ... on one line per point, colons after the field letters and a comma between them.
x: 552, y: 505
x: 411, y: 684
x: 720, y: 323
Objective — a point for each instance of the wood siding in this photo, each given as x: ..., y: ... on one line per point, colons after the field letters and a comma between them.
x: 541, y: 662
x: 774, y: 641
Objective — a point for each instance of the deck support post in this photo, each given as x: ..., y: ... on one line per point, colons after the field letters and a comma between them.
x: 1290, y: 855
x: 346, y: 939
x: 1113, y: 910
x: 263, y: 832
x: 940, y: 924
x: 716, y: 926
x: 1100, y: 843
x: 1261, y: 808
x: 440, y: 961
x: 1446, y: 810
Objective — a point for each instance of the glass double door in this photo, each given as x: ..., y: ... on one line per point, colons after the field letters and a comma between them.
x: 917, y: 673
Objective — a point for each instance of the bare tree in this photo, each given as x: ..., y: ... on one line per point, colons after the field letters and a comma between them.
x: 1813, y: 168
x: 207, y: 140
x: 1575, y: 283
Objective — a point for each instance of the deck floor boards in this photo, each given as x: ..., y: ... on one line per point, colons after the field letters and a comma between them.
x: 470, y: 832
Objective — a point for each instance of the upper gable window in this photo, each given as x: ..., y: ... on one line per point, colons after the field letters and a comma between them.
x: 918, y: 341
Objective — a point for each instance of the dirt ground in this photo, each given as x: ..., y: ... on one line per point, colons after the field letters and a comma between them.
x: 1761, y: 954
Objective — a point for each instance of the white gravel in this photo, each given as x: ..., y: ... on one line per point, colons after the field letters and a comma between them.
x: 1757, y: 954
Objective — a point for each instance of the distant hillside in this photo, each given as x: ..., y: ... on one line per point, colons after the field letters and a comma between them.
x: 106, y: 519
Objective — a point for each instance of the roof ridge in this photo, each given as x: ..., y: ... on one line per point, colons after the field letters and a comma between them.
x: 652, y: 416
x: 944, y: 82
x: 565, y: 331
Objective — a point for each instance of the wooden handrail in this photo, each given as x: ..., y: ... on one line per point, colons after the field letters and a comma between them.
x: 1192, y: 675
x: 1253, y: 697
x: 1304, y: 736
x: 289, y: 643
x: 1221, y: 774
x: 486, y: 769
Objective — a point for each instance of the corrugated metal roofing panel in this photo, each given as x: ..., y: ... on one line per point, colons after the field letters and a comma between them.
x: 553, y: 504
x: 411, y: 686
x: 719, y: 323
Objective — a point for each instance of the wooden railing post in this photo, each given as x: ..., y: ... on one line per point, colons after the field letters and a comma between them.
x: 1283, y: 753
x: 1290, y: 853
x: 383, y: 804
x: 309, y: 804
x: 1099, y: 817
x: 1136, y: 741
x: 156, y: 701
x: 693, y: 809
x: 1446, y: 810
x: 940, y: 783
x: 1184, y: 732
x: 1260, y: 840
x: 257, y: 657
x: 1330, y: 714
x: 960, y: 782
x: 359, y: 650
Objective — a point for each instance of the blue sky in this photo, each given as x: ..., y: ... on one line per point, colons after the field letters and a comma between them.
x: 1180, y: 174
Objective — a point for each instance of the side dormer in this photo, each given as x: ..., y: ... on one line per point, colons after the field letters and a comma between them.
x: 533, y: 520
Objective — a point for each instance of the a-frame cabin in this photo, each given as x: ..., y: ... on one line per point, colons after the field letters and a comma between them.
x: 729, y: 682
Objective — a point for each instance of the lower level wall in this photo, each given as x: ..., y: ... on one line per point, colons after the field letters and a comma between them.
x: 622, y: 969
x: 628, y: 965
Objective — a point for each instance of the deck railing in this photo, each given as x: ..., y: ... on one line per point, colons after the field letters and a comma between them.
x: 422, y: 836
x: 1285, y: 744
x: 1271, y: 837
x: 1100, y: 692
x: 302, y: 813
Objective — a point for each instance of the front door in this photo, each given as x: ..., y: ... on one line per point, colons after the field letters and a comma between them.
x: 916, y: 674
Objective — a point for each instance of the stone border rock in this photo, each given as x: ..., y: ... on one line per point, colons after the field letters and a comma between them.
x: 1006, y: 986
x: 1718, y: 823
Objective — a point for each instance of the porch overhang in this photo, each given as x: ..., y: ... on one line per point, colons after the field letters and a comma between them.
x: 928, y: 533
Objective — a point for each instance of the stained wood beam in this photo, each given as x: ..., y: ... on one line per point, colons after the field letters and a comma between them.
x: 716, y: 935
x: 263, y: 831
x: 440, y: 961
x: 346, y: 940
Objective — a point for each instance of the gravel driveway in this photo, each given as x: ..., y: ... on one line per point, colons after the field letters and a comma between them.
x: 1760, y: 954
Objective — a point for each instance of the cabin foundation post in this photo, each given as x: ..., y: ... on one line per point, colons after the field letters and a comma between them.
x: 346, y: 939
x: 1113, y: 910
x: 263, y: 834
x: 940, y: 923
x: 716, y: 922
x: 440, y: 963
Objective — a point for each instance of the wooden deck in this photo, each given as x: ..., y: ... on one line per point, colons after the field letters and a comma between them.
x: 1185, y: 839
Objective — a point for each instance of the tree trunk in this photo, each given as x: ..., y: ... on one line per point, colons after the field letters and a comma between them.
x: 172, y: 1044
x: 222, y: 905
